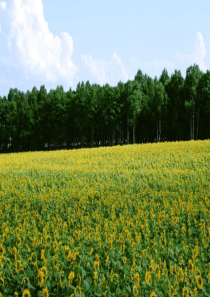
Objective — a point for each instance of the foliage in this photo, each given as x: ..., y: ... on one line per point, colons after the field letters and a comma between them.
x: 138, y: 111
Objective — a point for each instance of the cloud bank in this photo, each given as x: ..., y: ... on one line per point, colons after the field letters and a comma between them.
x: 155, y: 64
x: 106, y: 72
x: 32, y: 47
x: 198, y: 55
x: 3, y: 5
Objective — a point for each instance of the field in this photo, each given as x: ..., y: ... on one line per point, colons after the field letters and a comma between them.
x: 120, y: 221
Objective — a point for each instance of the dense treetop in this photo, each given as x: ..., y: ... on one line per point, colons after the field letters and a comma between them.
x: 142, y: 110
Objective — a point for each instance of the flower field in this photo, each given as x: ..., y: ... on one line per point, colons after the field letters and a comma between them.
x: 120, y: 221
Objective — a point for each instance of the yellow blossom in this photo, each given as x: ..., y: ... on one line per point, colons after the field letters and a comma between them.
x: 45, y: 292
x: 71, y: 277
x: 26, y: 292
x: 147, y: 277
x: 40, y: 278
x: 199, y: 281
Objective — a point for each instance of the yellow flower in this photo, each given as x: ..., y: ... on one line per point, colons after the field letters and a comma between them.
x: 153, y: 294
x: 147, y: 277
x: 136, y: 278
x: 185, y: 290
x: 16, y: 293
x: 2, y: 281
x: 191, y: 265
x: 96, y: 258
x: 26, y: 292
x: 71, y: 277
x: 79, y: 279
x: 43, y: 256
x: 180, y: 260
x: 124, y: 260
x: 45, y: 270
x: 91, y: 251
x: 180, y: 274
x: 199, y: 281
x: 135, y: 292
x: 107, y: 260
x: 45, y: 292
x: 40, y: 278
x: 25, y: 278
x: 95, y: 277
x: 176, y: 285
x: 183, y: 229
x: 96, y: 264
x: 34, y: 256
x: 18, y: 269
x: 60, y: 282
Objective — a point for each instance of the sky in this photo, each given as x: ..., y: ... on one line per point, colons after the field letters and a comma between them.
x: 51, y: 42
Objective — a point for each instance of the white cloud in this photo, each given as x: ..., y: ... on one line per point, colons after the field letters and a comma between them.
x: 155, y: 64
x: 3, y: 5
x: 180, y: 56
x: 200, y: 52
x: 33, y: 48
x: 198, y: 55
x: 96, y: 67
x: 160, y: 64
x: 134, y: 61
x: 3, y: 80
x: 120, y: 68
x: 106, y: 72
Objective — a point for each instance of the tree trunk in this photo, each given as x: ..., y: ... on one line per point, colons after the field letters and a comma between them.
x: 82, y: 139
x: 197, y: 128
x: 191, y: 127
x: 134, y: 135
x: 122, y: 139
x: 120, y: 130
x: 113, y: 134
x: 74, y: 136
x: 127, y: 130
x: 159, y: 129
x: 102, y: 133
x: 92, y: 136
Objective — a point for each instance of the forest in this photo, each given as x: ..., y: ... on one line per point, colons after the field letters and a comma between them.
x: 171, y: 108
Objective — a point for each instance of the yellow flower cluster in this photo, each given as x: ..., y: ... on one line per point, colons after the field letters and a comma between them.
x: 124, y: 221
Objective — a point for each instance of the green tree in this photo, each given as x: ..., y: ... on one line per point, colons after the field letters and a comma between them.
x: 158, y: 103
x: 5, y: 125
x: 164, y: 77
x: 133, y: 106
x: 203, y: 106
x: 34, y: 119
x: 193, y: 75
x: 176, y: 117
x: 42, y: 126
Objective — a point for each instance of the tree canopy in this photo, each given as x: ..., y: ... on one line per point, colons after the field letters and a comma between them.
x: 170, y: 108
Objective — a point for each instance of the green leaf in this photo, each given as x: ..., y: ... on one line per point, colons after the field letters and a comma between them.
x: 87, y: 284
x: 54, y: 284
x: 30, y: 286
x: 128, y: 288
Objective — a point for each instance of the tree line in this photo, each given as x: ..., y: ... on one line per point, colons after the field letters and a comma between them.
x: 170, y: 108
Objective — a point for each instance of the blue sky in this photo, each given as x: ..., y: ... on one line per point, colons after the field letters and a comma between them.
x: 64, y: 42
